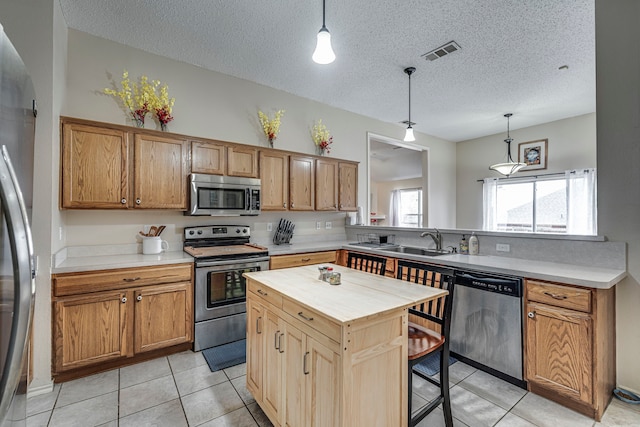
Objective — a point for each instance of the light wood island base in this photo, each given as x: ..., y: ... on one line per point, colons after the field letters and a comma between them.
x: 323, y: 355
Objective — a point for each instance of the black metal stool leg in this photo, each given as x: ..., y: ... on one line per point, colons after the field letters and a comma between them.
x: 444, y: 386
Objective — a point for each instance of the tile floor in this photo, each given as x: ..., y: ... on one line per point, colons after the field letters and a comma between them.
x: 180, y: 390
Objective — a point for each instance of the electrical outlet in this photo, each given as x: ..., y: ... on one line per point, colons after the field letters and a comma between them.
x: 318, y: 225
x: 503, y: 247
x: 269, y: 226
x: 327, y: 225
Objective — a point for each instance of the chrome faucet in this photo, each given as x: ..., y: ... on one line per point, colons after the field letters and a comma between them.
x: 437, y: 238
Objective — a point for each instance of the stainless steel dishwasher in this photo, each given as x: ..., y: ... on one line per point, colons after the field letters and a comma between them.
x: 487, y: 324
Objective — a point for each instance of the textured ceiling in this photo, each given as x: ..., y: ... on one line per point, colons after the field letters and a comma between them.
x: 391, y: 163
x: 511, y: 51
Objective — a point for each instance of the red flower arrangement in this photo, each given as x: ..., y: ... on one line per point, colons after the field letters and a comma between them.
x: 324, y: 145
x: 139, y: 113
x: 164, y: 115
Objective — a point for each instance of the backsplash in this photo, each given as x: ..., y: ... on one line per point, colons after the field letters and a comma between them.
x: 99, y: 228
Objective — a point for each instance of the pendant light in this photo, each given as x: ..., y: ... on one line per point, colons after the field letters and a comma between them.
x: 408, y: 136
x: 510, y: 167
x: 323, y: 53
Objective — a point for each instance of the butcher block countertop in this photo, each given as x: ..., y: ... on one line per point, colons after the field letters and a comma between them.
x: 358, y: 296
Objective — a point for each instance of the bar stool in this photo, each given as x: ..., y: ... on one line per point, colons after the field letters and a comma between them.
x: 426, y: 338
x: 368, y: 263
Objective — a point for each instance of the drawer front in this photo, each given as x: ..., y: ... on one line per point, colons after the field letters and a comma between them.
x: 298, y: 260
x: 559, y: 296
x: 264, y: 294
x: 95, y: 281
x: 313, y: 319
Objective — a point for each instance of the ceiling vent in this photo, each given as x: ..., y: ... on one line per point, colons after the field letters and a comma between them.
x: 442, y: 51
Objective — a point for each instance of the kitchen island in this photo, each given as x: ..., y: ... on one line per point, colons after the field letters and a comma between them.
x: 329, y: 355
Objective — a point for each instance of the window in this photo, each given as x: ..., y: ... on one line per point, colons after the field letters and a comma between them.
x: 547, y: 204
x: 406, y: 208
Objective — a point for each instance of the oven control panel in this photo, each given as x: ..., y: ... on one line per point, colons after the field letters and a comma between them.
x: 216, y: 232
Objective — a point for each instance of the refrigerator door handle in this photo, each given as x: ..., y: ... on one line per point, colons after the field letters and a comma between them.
x: 24, y: 286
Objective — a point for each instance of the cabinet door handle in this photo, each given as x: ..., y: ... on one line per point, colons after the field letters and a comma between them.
x: 304, y: 364
x: 280, y: 349
x: 258, y: 331
x: 131, y: 279
x: 123, y: 201
x: 305, y: 317
x: 139, y: 298
x: 138, y: 201
x: 123, y: 299
x: 556, y: 296
x: 261, y: 292
x: 292, y: 205
x: 341, y: 206
x: 284, y: 205
x: 531, y: 315
x: 276, y: 340
x: 305, y: 259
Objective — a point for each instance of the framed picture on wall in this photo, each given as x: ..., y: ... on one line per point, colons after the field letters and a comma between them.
x: 534, y: 154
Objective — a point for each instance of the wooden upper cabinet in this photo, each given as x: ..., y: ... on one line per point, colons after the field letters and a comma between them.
x: 274, y: 180
x: 348, y: 186
x: 242, y: 161
x: 208, y: 157
x: 161, y: 172
x: 326, y: 185
x: 94, y: 166
x: 301, y: 183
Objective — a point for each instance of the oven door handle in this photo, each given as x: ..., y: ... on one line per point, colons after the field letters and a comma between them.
x: 235, y: 263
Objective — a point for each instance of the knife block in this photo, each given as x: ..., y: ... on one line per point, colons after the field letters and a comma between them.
x: 284, y: 232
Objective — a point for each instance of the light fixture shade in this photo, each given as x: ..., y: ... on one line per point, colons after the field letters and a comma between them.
x: 507, y: 168
x: 408, y: 136
x: 323, y: 53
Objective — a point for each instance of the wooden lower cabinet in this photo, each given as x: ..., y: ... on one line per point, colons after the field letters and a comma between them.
x: 298, y: 260
x: 310, y: 398
x: 95, y: 327
x: 91, y: 329
x: 163, y: 316
x: 570, y: 345
x: 306, y: 370
x: 264, y: 359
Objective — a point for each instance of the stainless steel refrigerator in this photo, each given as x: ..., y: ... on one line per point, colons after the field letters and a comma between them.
x: 17, y: 272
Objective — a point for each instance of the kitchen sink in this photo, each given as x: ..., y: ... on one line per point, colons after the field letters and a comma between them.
x: 416, y: 251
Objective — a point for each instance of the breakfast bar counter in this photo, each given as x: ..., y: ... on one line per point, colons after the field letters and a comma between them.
x: 329, y: 355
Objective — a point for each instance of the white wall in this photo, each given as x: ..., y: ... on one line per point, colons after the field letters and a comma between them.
x: 618, y: 106
x: 214, y: 105
x: 38, y: 32
x: 572, y: 145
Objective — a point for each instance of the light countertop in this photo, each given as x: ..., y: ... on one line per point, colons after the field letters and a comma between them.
x: 588, y: 276
x: 358, y: 296
x: 108, y: 262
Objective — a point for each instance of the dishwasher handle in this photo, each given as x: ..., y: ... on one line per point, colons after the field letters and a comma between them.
x: 511, y: 286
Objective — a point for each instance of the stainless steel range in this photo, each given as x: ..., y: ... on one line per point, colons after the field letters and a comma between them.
x: 222, y: 254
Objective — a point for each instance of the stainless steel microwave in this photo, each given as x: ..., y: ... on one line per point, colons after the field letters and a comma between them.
x: 216, y: 195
